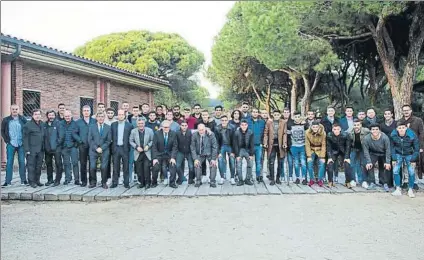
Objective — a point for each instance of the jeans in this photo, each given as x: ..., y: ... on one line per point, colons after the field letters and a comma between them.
x: 258, y: 159
x: 10, y: 153
x: 357, y: 160
x: 222, y: 161
x: 321, y: 167
x: 180, y: 161
x: 290, y: 163
x: 299, y: 160
x: 131, y: 165
x: 275, y: 153
x: 400, y: 160
x: 70, y: 158
x: 244, y: 154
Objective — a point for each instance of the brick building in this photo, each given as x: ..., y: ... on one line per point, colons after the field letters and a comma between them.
x: 36, y: 76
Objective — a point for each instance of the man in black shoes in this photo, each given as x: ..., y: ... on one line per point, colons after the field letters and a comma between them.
x: 33, y: 140
x: 338, y: 146
x: 52, y: 147
x: 141, y: 140
x: 99, y: 139
x: 164, y: 147
x: 184, y: 153
x: 121, y: 131
x: 204, y: 148
x: 68, y: 140
x: 244, y: 148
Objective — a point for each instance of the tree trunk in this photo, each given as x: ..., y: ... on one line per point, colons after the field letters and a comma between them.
x: 305, y: 103
x: 293, y: 94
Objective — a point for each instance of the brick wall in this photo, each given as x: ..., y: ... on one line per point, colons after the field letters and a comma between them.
x: 119, y: 92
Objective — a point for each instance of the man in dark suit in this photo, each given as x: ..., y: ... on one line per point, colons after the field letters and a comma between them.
x: 164, y: 146
x: 83, y: 125
x: 121, y: 131
x: 99, y: 139
x: 52, y: 147
x: 34, y: 147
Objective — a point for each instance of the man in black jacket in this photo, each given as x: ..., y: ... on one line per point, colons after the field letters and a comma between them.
x: 34, y: 147
x: 68, y: 142
x: 224, y: 137
x: 52, y: 147
x: 330, y: 120
x: 12, y: 133
x: 244, y: 148
x: 61, y: 112
x: 121, y: 131
x: 338, y: 146
x: 163, y: 154
x: 370, y: 119
x: 83, y: 125
x: 99, y: 139
x: 184, y: 153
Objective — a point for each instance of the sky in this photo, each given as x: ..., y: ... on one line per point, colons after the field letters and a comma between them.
x: 67, y: 25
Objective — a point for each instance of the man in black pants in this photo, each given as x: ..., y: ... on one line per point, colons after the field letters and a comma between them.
x: 99, y: 139
x: 338, y: 146
x: 141, y: 140
x: 83, y: 124
x: 184, y: 153
x: 120, y: 148
x: 164, y: 145
x: 52, y: 147
x: 33, y: 141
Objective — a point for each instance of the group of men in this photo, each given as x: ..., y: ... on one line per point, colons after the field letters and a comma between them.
x: 156, y: 143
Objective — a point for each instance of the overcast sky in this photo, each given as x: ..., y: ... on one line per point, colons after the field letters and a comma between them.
x: 67, y: 25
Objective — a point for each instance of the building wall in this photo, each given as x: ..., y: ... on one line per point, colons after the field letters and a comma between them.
x: 119, y: 92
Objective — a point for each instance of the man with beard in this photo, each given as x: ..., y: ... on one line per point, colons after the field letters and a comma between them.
x: 370, y: 119
x: 357, y: 158
x: 110, y: 116
x: 69, y: 141
x: 177, y: 114
x: 387, y: 127
x: 376, y: 147
x: 415, y: 124
x: 99, y: 139
x: 361, y: 115
x: 52, y: 148
x: 310, y: 118
x: 159, y: 113
x: 245, y: 111
x: 152, y: 123
x: 33, y: 141
x: 346, y: 122
x: 83, y: 126
x: 61, y: 112
x: 224, y: 137
x: 145, y: 110
x: 120, y: 148
x: 257, y: 125
x: 275, y: 140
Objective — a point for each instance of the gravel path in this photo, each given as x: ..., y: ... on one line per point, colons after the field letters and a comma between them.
x: 350, y: 226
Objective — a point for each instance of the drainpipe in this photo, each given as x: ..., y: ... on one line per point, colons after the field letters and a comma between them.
x: 13, y: 56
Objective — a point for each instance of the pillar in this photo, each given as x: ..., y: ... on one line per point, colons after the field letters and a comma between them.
x: 6, y: 99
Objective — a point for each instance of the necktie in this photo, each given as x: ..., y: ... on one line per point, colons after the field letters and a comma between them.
x: 166, y: 140
x: 101, y: 130
x: 202, y: 146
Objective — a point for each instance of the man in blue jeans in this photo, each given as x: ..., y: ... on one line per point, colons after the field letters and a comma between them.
x: 357, y: 159
x: 296, y: 138
x: 257, y: 125
x: 405, y: 148
x: 12, y: 134
x: 315, y: 145
x: 224, y: 137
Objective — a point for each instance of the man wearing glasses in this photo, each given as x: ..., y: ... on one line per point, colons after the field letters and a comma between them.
x: 415, y: 124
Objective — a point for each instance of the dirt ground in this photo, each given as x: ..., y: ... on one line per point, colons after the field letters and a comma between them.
x: 349, y: 226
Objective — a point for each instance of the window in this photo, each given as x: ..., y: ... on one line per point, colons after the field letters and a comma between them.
x: 31, y: 101
x: 115, y: 106
x: 86, y: 101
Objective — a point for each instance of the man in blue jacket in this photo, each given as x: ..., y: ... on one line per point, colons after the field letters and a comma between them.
x: 52, y: 148
x: 346, y: 122
x: 68, y: 141
x: 257, y: 125
x: 405, y: 148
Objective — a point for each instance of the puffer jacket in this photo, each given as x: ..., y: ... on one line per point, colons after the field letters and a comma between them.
x: 408, y: 145
x: 316, y: 142
x: 338, y: 145
x: 238, y: 139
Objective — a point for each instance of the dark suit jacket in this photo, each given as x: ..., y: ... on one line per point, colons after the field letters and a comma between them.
x: 52, y: 136
x: 33, y: 138
x: 158, y: 149
x: 83, y: 129
x: 95, y: 140
x: 127, y: 131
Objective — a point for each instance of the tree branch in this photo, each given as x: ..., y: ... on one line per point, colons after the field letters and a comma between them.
x: 316, y: 81
x: 353, y: 37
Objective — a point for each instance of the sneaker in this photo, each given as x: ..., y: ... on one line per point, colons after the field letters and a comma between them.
x: 272, y: 182
x: 352, y: 183
x: 221, y: 181
x: 411, y: 193
x: 5, y: 185
x: 330, y: 184
x: 397, y: 192
x: 372, y: 186
x: 297, y: 181
x: 347, y: 184
x: 304, y: 182
x: 386, y: 188
x: 311, y: 183
x: 416, y: 187
x: 240, y: 183
x: 336, y: 179
x: 248, y: 182
x: 320, y: 183
x: 365, y: 185
x: 278, y: 181
x: 232, y: 181
x: 405, y: 186
x: 261, y: 179
x: 165, y: 182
